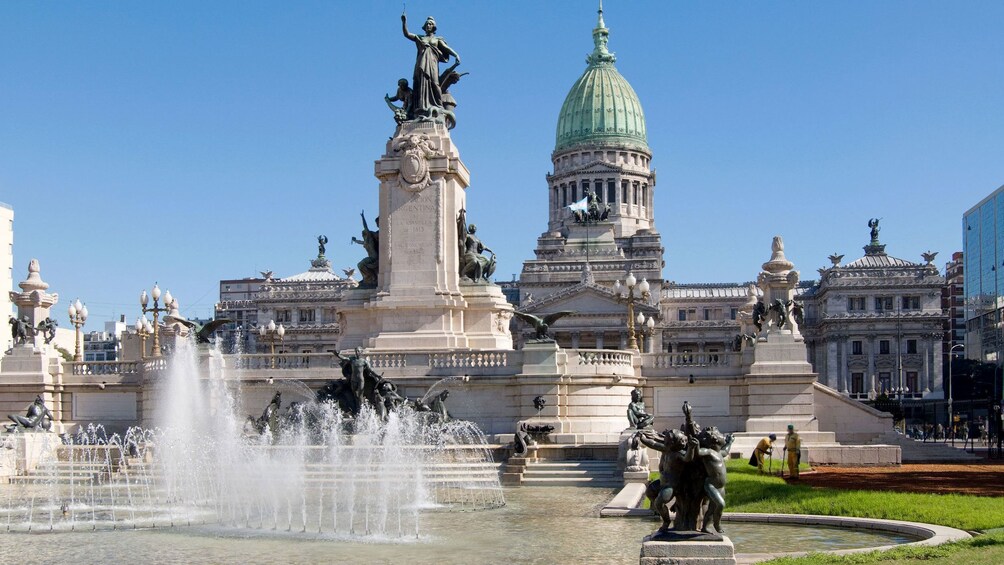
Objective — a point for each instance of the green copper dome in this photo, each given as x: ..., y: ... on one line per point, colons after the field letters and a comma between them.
x: 601, y: 108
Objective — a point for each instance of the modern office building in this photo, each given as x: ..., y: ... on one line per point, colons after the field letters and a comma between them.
x: 983, y: 259
x: 6, y: 270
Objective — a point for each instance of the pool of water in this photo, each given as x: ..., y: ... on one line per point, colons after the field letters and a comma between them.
x: 538, y: 525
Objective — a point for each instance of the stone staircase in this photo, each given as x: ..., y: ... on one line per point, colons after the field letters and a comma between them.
x: 562, y: 473
x: 915, y: 451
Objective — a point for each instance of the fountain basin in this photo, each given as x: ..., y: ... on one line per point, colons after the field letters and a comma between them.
x: 537, y: 525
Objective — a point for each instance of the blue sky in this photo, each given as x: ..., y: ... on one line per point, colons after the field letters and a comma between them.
x: 188, y: 142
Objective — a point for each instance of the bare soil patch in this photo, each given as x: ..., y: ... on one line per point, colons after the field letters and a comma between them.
x: 978, y: 479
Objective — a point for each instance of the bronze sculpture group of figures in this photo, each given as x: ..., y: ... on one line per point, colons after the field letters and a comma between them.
x: 690, y: 490
x: 780, y: 313
x: 592, y: 213
x: 37, y: 418
x: 428, y: 97
x: 360, y: 385
x: 21, y: 330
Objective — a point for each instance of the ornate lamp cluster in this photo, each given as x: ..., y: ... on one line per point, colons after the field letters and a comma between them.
x: 78, y: 316
x: 144, y: 299
x: 630, y: 292
x: 272, y: 333
x: 143, y: 330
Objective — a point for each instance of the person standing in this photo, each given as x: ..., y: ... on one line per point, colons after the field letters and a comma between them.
x: 764, y: 448
x: 793, y: 448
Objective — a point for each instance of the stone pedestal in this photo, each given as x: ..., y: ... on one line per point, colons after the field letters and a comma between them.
x: 418, y: 304
x: 633, y: 463
x: 486, y: 319
x: 688, y: 553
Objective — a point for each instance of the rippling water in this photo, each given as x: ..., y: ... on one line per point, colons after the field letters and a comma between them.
x: 538, y: 525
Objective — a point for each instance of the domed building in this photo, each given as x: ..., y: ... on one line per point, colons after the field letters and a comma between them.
x: 601, y: 219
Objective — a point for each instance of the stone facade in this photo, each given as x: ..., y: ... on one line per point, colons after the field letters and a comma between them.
x: 600, y: 149
x: 875, y: 325
x: 306, y: 304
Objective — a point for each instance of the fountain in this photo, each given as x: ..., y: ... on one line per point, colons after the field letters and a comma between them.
x: 319, y: 471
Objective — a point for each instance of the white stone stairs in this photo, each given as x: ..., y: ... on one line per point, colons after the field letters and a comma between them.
x: 585, y: 472
x: 916, y: 451
x: 745, y: 443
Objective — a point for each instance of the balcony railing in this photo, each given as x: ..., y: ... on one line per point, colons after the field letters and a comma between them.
x: 103, y: 367
x: 668, y: 360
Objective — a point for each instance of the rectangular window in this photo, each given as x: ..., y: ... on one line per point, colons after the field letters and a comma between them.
x: 707, y: 314
x: 682, y: 315
x: 283, y: 316
x: 733, y: 313
x: 575, y: 192
x: 564, y: 196
x: 912, y: 382
x: 884, y: 347
x: 611, y: 191
x: 306, y: 316
x: 857, y: 383
x: 883, y: 303
x: 624, y: 193
x: 856, y: 304
x: 585, y: 188
x: 856, y: 348
x: 911, y: 303
x: 911, y: 346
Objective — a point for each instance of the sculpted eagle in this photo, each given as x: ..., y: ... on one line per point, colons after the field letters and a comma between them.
x: 540, y: 325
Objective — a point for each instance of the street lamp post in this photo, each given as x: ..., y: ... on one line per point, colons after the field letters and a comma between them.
x: 143, y: 330
x: 900, y: 392
x: 78, y: 316
x: 156, y: 309
x: 951, y: 389
x: 646, y: 329
x: 272, y: 333
x: 631, y: 291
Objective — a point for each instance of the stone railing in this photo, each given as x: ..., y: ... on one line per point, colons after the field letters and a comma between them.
x: 669, y: 360
x: 602, y: 357
x: 388, y: 360
x: 103, y: 367
x: 469, y: 359
x: 281, y: 361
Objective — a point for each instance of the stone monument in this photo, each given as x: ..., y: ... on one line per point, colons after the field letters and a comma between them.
x: 32, y: 370
x: 780, y: 389
x: 419, y: 299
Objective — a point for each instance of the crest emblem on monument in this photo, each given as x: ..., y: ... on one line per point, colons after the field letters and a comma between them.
x: 414, y: 172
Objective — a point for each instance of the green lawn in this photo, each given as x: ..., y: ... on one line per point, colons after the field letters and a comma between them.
x: 983, y: 550
x: 749, y: 491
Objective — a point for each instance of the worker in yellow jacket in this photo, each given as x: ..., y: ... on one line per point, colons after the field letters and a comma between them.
x: 764, y: 448
x: 793, y: 448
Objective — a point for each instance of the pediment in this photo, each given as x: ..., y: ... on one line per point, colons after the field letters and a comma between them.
x: 586, y: 299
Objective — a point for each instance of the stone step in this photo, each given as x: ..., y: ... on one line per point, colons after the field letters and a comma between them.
x: 570, y: 482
